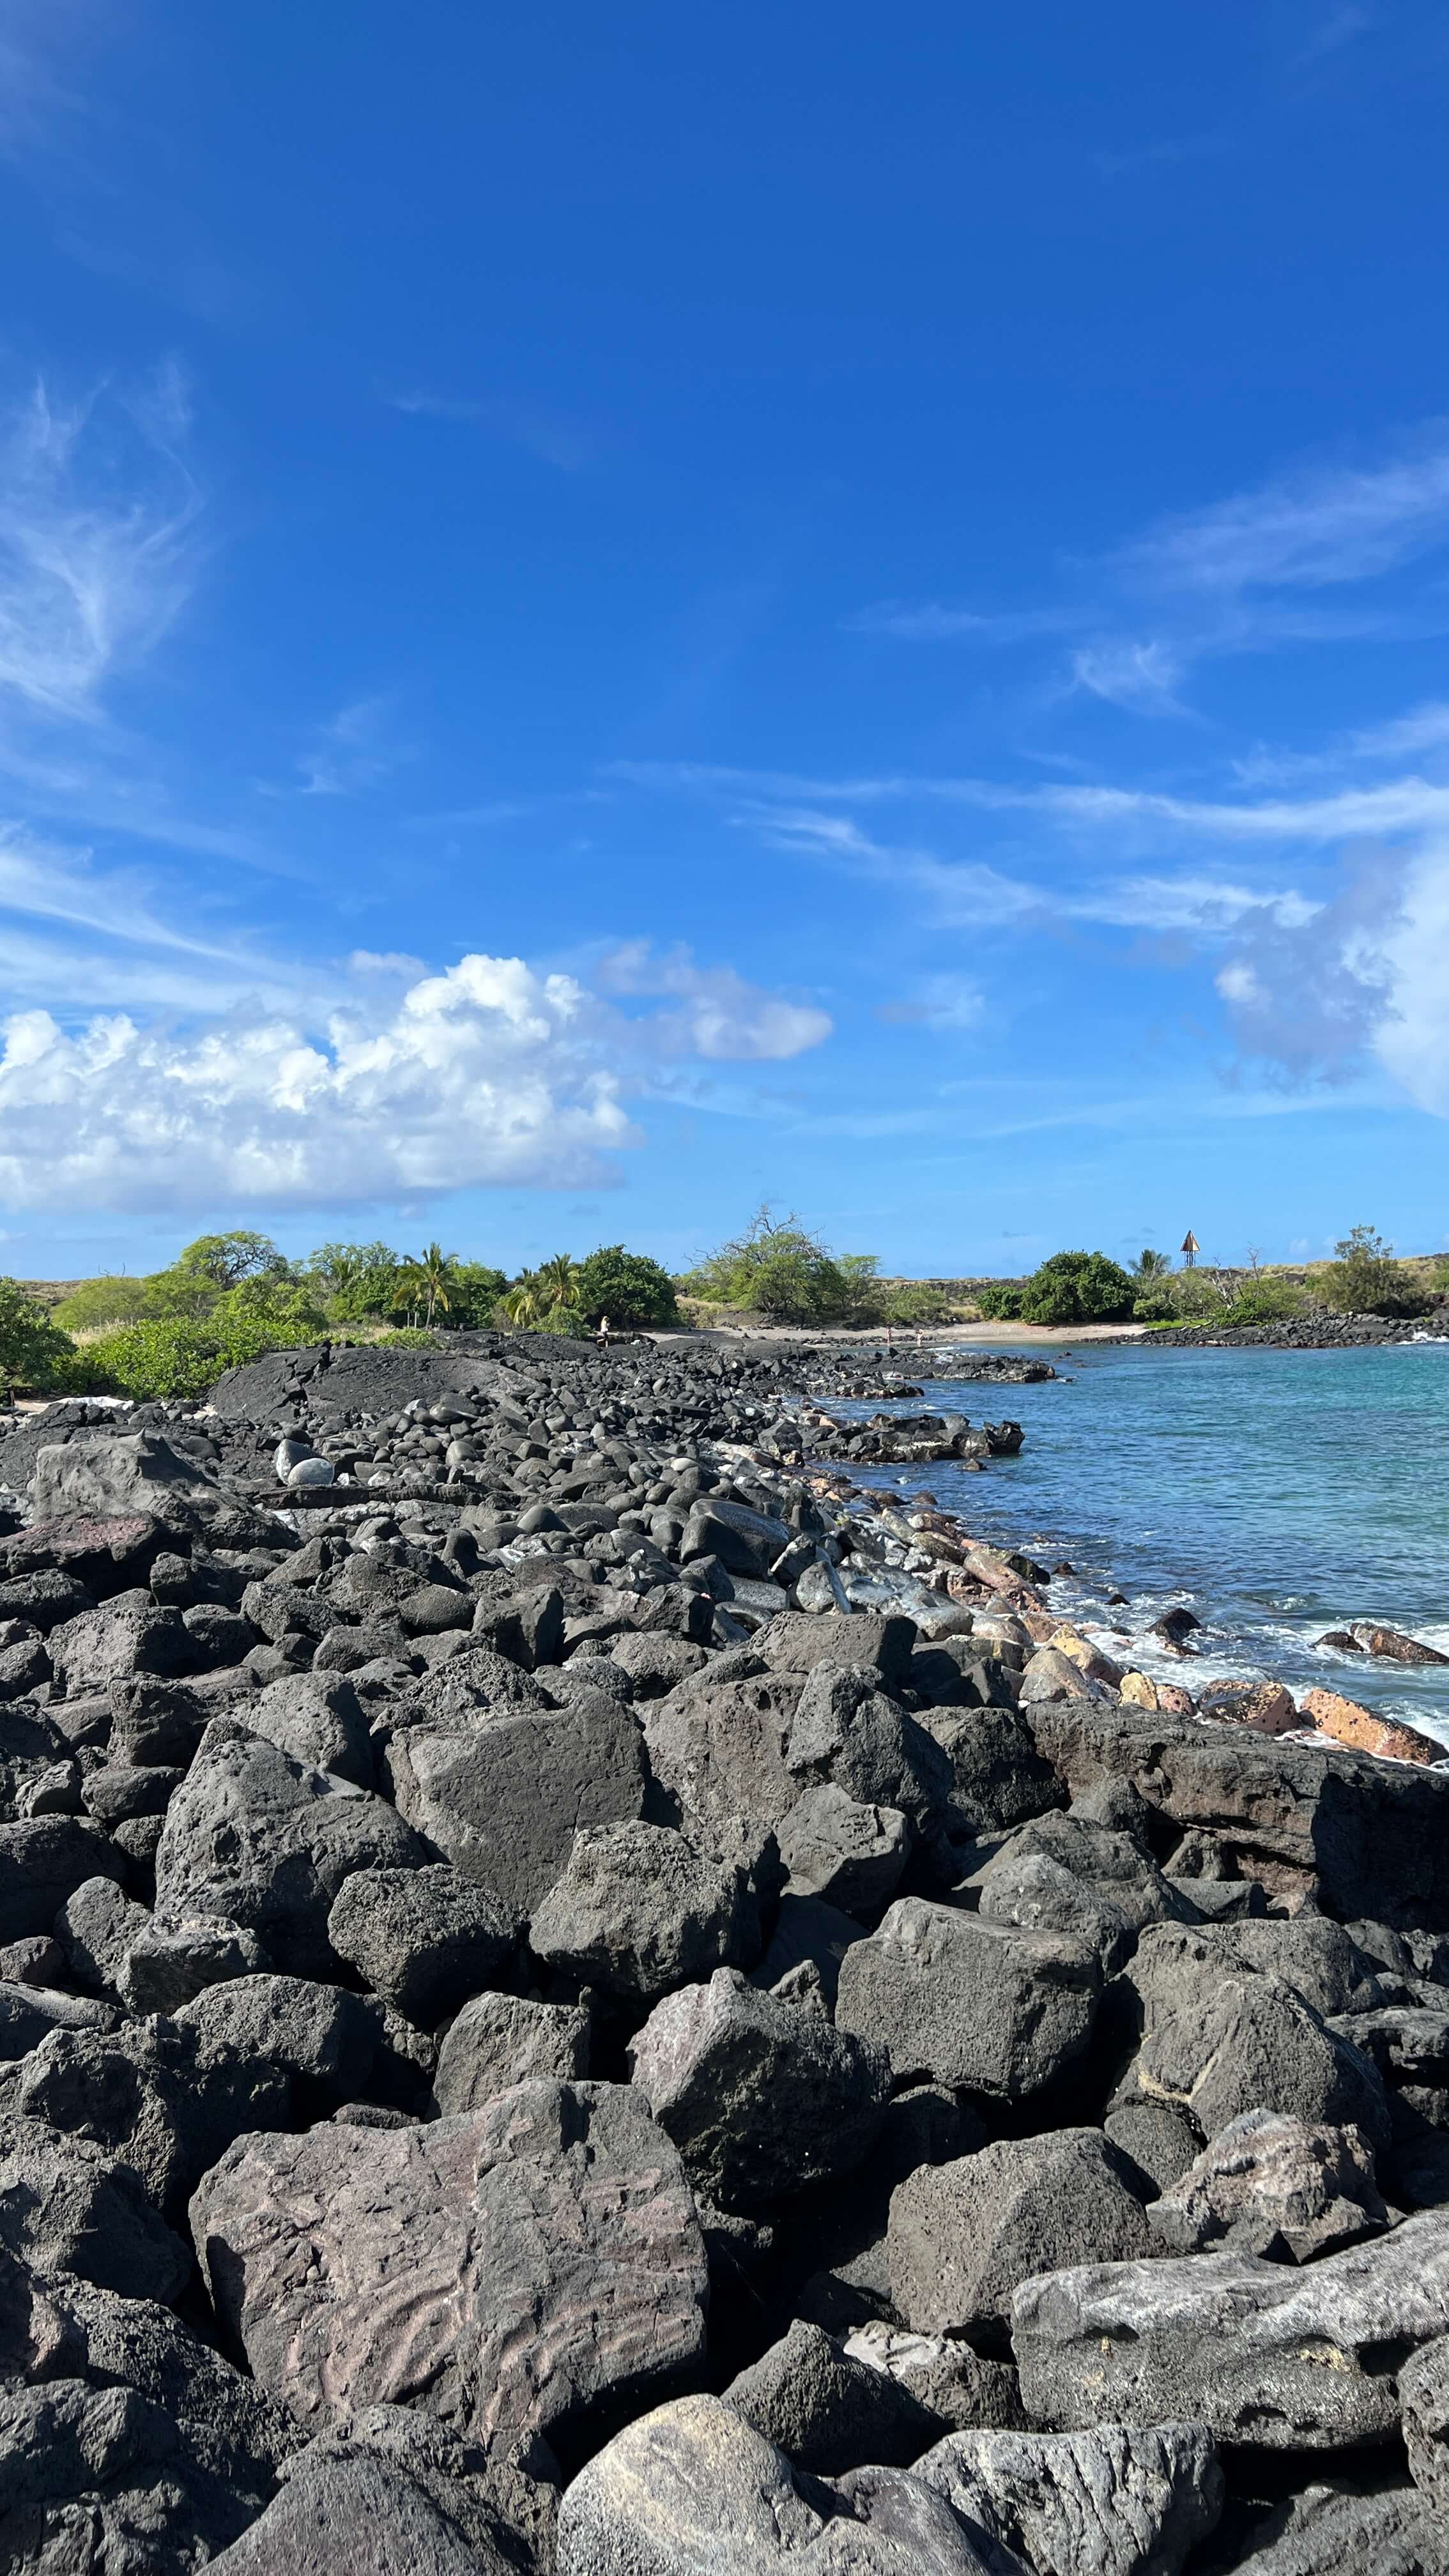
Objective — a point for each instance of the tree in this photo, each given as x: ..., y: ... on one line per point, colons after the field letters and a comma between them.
x: 223, y: 1259
x: 1077, y: 1288
x: 626, y: 1286
x: 558, y: 1280
x: 33, y: 1352
x: 95, y: 1302
x: 1365, y: 1279
x: 524, y: 1303
x: 427, y: 1278
x: 475, y: 1291
x: 1151, y: 1265
x: 356, y: 1279
x: 778, y: 1269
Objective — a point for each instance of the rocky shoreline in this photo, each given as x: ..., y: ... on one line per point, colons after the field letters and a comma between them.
x: 582, y: 1996
x: 1305, y: 1333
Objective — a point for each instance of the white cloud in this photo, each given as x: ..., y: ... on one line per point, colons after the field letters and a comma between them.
x: 931, y: 622
x: 938, y: 1002
x: 488, y: 1073
x: 721, y: 1018
x: 1141, y: 677
x: 357, y: 750
x: 98, y: 509
x: 1310, y: 530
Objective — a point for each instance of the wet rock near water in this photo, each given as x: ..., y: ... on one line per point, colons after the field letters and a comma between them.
x: 578, y: 1995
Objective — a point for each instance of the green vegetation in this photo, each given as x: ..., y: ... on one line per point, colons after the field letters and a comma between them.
x: 626, y: 1286
x: 34, y: 1355
x: 779, y: 1271
x: 1365, y: 1279
x: 1070, y: 1288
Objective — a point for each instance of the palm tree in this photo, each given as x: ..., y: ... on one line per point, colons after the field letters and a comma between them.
x: 525, y: 1302
x: 1151, y: 1265
x: 558, y: 1280
x: 427, y: 1274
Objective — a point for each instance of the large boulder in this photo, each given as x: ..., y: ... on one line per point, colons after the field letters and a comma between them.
x: 1119, y: 2501
x: 128, y: 2443
x: 268, y: 1843
x: 1253, y: 2044
x: 426, y: 1938
x: 116, y: 1475
x: 385, y: 2490
x: 155, y: 2096
x: 1374, y: 1836
x: 964, y: 2235
x: 717, y: 1749
x: 828, y: 2411
x: 1265, y: 2355
x: 835, y: 1848
x: 638, y: 1910
x: 693, y: 2490
x: 67, y: 2207
x: 847, y: 1730
x: 318, y: 1719
x: 42, y: 1864
x: 503, y: 1801
x: 1424, y: 2391
x: 498, y: 2041
x: 314, y: 2034
x: 980, y: 2005
x: 1283, y: 2188
x: 760, y: 2096
x: 505, y: 2271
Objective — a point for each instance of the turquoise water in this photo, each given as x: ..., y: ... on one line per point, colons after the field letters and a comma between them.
x: 1275, y: 1493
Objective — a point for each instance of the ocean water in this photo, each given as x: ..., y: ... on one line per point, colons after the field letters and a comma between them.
x: 1274, y: 1493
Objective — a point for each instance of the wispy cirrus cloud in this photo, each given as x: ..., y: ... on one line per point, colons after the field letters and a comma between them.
x: 544, y: 433
x: 98, y: 539
x: 356, y: 750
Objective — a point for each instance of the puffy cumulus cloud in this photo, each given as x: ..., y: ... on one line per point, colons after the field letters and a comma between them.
x: 1318, y: 997
x: 488, y: 1073
x: 719, y: 1016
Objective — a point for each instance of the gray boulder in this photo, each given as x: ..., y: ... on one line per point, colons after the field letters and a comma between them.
x: 42, y: 1863
x: 167, y: 1963
x: 347, y: 2506
x: 1118, y: 2501
x: 318, y: 1719
x: 498, y: 2041
x: 998, y: 1778
x: 760, y: 2097
x: 1340, y: 2522
x: 505, y: 2271
x: 882, y: 1641
x: 1283, y: 2188
x: 120, y: 1637
x: 693, y: 2490
x: 1253, y: 2044
x: 109, y: 1475
x: 95, y: 1929
x: 153, y: 2096
x: 315, y: 2034
x: 960, y: 2388
x: 268, y: 1842
x: 1424, y: 2394
x: 846, y: 1729
x: 638, y: 1910
x: 849, y: 1854
x: 1265, y: 2355
x: 717, y: 1748
x: 503, y: 1801
x: 66, y: 2207
x: 979, y: 2005
x: 1157, y: 2139
x: 29, y: 2013
x: 128, y: 2443
x: 1038, y: 1895
x: 828, y: 2411
x: 425, y: 1938
x: 964, y: 2235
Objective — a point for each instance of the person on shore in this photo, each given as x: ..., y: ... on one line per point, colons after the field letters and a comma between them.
x: 602, y: 1335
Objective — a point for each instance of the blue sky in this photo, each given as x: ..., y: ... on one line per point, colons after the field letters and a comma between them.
x: 608, y: 614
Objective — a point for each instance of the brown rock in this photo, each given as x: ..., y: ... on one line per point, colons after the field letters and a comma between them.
x: 1349, y: 1723
x: 1265, y: 1705
x: 1392, y: 1645
x: 503, y: 2271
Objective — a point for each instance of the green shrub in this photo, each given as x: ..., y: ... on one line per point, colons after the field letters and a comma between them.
x: 407, y: 1337
x: 185, y: 1355
x: 97, y: 1302
x: 1263, y: 1301
x: 565, y: 1322
x: 1077, y: 1288
x: 626, y: 1286
x: 915, y: 1301
x: 1365, y: 1279
x: 34, y: 1353
x: 1000, y: 1300
x: 780, y: 1271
